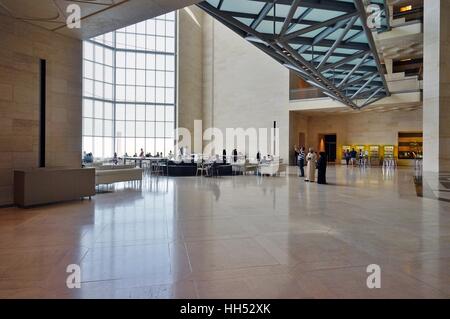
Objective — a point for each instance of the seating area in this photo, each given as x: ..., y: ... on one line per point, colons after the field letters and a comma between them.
x: 109, y: 174
x: 136, y: 168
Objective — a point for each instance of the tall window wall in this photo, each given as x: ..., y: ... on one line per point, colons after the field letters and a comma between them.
x: 129, y: 89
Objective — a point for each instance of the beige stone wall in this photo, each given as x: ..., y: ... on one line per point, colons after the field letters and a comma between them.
x: 360, y: 128
x: 190, y: 67
x: 436, y: 91
x: 22, y: 45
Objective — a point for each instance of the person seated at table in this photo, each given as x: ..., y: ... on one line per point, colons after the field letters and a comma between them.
x: 170, y: 156
x: 142, y: 153
x: 89, y: 158
x: 148, y: 154
x: 115, y: 159
x: 265, y: 160
x: 135, y: 155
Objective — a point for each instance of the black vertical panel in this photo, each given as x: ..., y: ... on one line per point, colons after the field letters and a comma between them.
x: 274, y: 137
x: 42, y: 108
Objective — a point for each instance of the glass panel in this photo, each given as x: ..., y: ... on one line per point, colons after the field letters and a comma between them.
x: 140, y: 112
x: 87, y: 144
x: 109, y: 74
x: 131, y: 77
x: 98, y: 147
x: 108, y: 111
x: 160, y: 112
x: 130, y: 128
x: 150, y: 78
x: 98, y: 109
x: 150, y: 145
x: 88, y: 108
x: 159, y: 145
x: 88, y: 51
x: 88, y: 125
x: 140, y: 77
x: 130, y: 146
x: 160, y: 95
x: 140, y: 129
x: 150, y: 113
x: 108, y: 126
x: 98, y: 54
x: 159, y: 129
x: 108, y: 147
x: 131, y: 93
x: 120, y: 59
x: 140, y: 94
x: 88, y: 70
x: 120, y: 146
x: 130, y: 112
x: 169, y: 129
x: 140, y: 144
x: 108, y: 91
x: 120, y: 128
x: 108, y: 57
x: 98, y: 127
x: 120, y: 76
x: 120, y: 111
x: 150, y: 129
x: 121, y: 73
x: 170, y: 113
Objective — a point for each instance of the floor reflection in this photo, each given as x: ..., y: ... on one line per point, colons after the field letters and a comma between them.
x: 236, y: 237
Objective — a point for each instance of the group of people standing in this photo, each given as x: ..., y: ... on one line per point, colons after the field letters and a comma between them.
x: 351, y: 157
x: 312, y: 161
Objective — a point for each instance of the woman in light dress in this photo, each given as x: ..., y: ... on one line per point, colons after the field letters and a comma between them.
x: 311, y: 160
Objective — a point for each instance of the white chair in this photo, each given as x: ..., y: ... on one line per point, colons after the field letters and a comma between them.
x: 201, y: 167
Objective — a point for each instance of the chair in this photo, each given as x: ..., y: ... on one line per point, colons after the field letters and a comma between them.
x: 158, y: 169
x: 201, y: 167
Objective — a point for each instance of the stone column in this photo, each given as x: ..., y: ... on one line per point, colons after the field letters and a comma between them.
x: 436, y: 99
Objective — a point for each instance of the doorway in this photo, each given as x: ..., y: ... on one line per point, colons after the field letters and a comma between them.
x: 330, y: 147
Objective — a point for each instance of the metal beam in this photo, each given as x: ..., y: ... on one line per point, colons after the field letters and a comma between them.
x: 330, y: 5
x: 262, y: 15
x: 301, y: 19
x: 350, y: 58
x: 362, y: 11
x: 356, y: 67
x: 283, y: 47
x: 320, y: 25
x: 370, y: 97
x: 289, y: 17
x: 364, y: 86
x: 338, y: 41
x: 272, y: 19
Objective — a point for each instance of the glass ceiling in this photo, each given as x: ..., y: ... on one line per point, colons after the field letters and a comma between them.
x: 323, y: 41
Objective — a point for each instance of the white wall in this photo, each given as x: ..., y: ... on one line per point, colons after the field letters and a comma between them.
x: 244, y: 87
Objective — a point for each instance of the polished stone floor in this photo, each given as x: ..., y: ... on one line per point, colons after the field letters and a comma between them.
x: 234, y: 237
